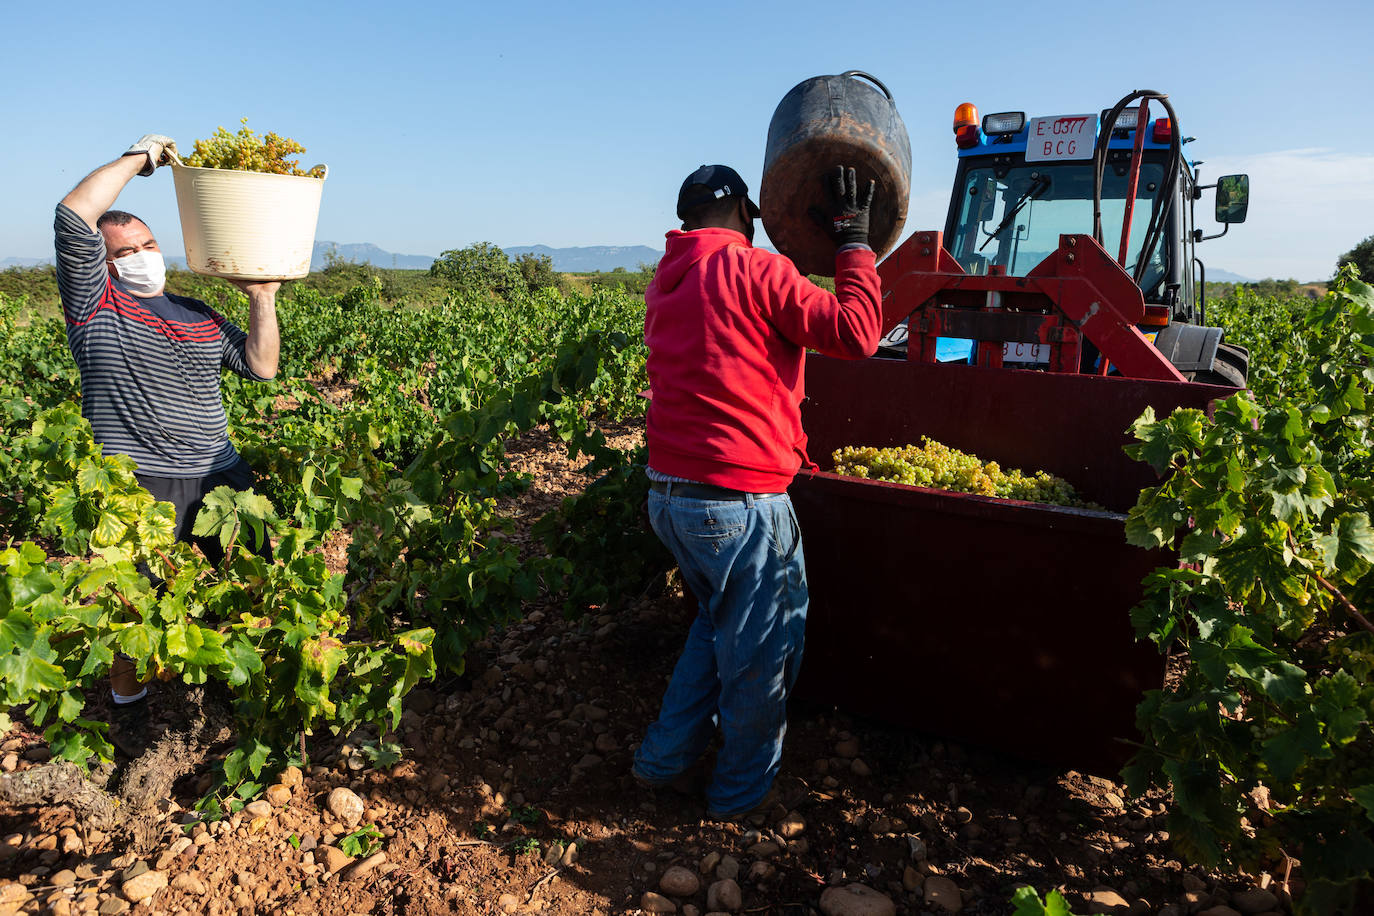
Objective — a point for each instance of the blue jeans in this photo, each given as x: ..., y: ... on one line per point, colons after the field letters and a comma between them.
x: 743, y: 560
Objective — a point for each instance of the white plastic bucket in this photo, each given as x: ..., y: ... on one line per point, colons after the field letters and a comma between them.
x: 247, y: 225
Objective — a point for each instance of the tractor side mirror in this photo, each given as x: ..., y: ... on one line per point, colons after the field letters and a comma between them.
x: 1233, y: 198
x: 987, y: 199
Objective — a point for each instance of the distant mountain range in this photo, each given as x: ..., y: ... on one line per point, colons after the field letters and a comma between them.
x: 593, y: 258
x: 565, y: 260
x: 368, y: 253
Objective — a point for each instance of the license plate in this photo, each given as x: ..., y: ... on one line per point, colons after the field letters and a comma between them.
x: 1061, y: 138
x: 1016, y: 352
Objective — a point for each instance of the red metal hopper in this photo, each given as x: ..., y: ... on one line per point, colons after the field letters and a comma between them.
x: 997, y: 622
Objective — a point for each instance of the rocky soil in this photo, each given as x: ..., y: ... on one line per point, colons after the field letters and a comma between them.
x: 514, y: 796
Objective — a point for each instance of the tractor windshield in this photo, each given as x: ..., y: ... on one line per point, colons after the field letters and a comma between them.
x: 1012, y: 218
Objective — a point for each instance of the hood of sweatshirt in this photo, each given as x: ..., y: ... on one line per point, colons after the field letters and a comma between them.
x: 686, y: 248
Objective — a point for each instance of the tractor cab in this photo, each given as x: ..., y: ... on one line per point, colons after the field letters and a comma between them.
x: 1008, y: 218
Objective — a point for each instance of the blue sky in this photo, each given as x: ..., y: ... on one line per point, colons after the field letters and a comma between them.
x: 570, y: 124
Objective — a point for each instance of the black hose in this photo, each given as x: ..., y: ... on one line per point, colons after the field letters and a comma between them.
x: 1156, y: 225
x: 1155, y: 229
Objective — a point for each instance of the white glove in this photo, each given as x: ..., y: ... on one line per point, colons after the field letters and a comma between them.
x: 154, y: 147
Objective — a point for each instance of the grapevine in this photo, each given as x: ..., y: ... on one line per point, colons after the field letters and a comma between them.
x: 411, y: 462
x: 934, y: 464
x: 247, y: 152
x: 1264, y: 735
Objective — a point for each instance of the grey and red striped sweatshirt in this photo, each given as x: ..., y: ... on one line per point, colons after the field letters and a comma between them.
x: 150, y: 368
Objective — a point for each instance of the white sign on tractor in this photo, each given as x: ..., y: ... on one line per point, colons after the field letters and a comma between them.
x: 1019, y: 352
x: 1061, y: 137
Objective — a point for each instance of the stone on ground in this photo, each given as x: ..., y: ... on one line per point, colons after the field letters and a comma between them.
x: 332, y: 858
x: 942, y: 892
x: 12, y: 897
x: 258, y: 808
x: 656, y: 903
x: 141, y: 887
x: 366, y: 866
x: 188, y: 882
x: 724, y: 895
x: 1106, y: 900
x: 1255, y: 900
x: 345, y: 804
x: 679, y: 882
x: 856, y: 900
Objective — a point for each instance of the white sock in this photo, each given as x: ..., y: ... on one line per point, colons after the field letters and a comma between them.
x: 121, y: 700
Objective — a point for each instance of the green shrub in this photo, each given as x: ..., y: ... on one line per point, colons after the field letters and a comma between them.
x: 481, y: 268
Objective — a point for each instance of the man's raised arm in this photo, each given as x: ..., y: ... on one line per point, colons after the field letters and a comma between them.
x: 98, y: 191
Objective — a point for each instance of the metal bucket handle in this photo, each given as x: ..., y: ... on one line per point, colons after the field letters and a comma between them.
x: 872, y: 79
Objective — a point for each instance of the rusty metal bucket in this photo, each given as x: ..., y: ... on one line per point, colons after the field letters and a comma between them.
x: 999, y: 623
x: 823, y: 122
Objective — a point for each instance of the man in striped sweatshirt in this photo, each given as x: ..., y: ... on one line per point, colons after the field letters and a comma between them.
x: 150, y: 361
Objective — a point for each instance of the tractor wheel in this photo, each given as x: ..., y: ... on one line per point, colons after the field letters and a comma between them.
x: 1229, y: 368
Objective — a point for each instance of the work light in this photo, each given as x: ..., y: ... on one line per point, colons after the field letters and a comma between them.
x: 1124, y: 121
x: 1006, y: 122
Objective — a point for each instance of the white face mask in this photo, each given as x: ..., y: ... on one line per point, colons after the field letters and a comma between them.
x: 143, y: 272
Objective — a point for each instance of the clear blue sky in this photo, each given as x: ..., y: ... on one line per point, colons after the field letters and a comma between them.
x: 573, y: 124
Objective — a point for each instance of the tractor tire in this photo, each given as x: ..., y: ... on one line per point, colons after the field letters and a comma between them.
x: 1230, y: 368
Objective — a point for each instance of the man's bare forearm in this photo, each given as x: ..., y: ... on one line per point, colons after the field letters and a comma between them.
x: 98, y: 191
x: 263, y: 347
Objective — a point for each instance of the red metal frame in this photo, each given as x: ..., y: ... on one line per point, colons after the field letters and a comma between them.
x: 1142, y: 117
x: 1078, y: 292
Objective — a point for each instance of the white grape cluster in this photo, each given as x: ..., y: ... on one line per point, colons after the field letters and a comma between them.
x: 934, y: 464
x: 247, y: 152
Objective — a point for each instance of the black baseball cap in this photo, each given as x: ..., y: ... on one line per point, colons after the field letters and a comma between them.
x: 723, y: 182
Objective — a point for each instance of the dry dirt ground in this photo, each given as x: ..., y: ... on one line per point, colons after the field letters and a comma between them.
x: 514, y: 796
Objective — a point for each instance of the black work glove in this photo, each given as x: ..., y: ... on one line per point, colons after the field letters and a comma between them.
x: 847, y: 220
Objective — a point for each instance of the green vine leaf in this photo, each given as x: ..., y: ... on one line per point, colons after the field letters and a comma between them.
x: 1348, y: 549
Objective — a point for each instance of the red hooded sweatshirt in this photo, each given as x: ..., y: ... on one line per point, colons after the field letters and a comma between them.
x: 728, y: 326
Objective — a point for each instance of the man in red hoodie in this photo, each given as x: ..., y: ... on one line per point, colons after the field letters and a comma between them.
x: 728, y: 326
